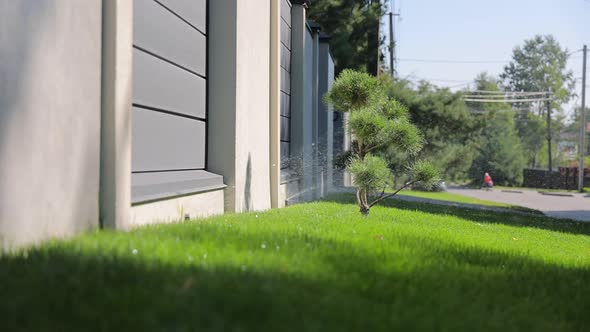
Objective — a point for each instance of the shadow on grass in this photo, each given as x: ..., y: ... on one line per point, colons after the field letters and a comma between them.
x: 432, y: 287
x: 481, y: 216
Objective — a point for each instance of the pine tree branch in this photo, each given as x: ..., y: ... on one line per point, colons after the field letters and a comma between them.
x: 393, y: 194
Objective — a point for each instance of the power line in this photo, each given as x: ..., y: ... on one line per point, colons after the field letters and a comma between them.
x: 507, y: 101
x: 574, y: 52
x: 502, y: 97
x: 450, y: 61
x: 435, y: 79
x: 458, y: 85
x: 464, y: 61
x: 486, y: 93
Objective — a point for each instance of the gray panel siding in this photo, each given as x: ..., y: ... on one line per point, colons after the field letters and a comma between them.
x: 325, y: 116
x: 325, y: 78
x: 285, y: 58
x: 159, y: 31
x: 285, y: 154
x: 308, y: 89
x: 169, y: 99
x: 193, y: 11
x: 285, y: 82
x: 286, y: 11
x: 285, y: 105
x: 160, y: 85
x: 285, y: 34
x: 166, y: 142
x: 285, y: 129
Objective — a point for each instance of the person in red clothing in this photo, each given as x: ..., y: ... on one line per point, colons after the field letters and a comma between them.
x: 487, y: 181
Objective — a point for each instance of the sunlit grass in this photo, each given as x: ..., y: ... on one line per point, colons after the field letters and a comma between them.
x: 585, y: 189
x: 311, y: 267
x: 456, y: 198
x: 449, y: 197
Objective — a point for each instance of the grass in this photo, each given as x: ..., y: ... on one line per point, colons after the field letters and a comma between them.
x: 311, y: 267
x: 586, y: 189
x: 456, y: 198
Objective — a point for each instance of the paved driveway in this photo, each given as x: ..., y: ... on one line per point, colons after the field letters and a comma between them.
x: 576, y: 207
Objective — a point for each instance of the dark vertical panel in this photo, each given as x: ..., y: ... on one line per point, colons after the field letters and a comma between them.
x: 285, y: 81
x: 285, y: 129
x: 285, y: 155
x: 166, y: 142
x: 285, y: 105
x: 285, y: 58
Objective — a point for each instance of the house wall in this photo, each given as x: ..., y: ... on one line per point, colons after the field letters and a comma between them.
x: 50, y: 109
x: 285, y: 84
x: 170, y: 113
x: 309, y: 175
x: 118, y: 114
x: 325, y: 118
x: 239, y: 101
x: 115, y: 125
x: 293, y: 178
x: 308, y: 149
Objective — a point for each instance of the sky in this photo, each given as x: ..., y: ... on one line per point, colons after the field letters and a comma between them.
x: 480, y: 31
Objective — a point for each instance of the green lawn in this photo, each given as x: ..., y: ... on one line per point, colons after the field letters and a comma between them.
x: 311, y: 267
x: 586, y: 189
x: 448, y: 197
x: 455, y: 198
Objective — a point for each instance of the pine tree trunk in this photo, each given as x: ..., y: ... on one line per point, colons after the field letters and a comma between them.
x: 362, y: 202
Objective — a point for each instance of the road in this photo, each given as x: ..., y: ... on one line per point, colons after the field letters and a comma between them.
x: 576, y: 207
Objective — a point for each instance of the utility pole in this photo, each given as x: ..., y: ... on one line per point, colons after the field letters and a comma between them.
x: 378, y: 71
x: 391, y: 42
x: 549, y: 135
x: 582, y: 124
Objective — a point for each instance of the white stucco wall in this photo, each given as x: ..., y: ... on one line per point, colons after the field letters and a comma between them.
x: 177, y: 209
x: 50, y: 70
x: 239, y: 101
x: 253, y: 106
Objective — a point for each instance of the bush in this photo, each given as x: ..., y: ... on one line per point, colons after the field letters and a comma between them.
x: 378, y: 125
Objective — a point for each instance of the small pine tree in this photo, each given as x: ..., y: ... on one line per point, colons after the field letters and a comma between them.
x: 376, y: 123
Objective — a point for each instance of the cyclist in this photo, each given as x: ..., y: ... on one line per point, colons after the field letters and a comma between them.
x: 487, y: 181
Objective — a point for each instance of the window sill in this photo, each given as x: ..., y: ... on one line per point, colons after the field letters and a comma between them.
x: 150, y: 187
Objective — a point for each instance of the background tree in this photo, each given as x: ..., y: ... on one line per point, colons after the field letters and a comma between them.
x: 354, y: 28
x: 499, y: 149
x: 376, y: 122
x: 572, y: 130
x: 449, y: 128
x: 540, y: 64
x: 532, y: 130
x: 500, y: 152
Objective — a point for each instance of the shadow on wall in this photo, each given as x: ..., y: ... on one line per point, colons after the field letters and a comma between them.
x: 17, y: 18
x: 351, y: 288
x: 48, y: 155
x: 247, y: 206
